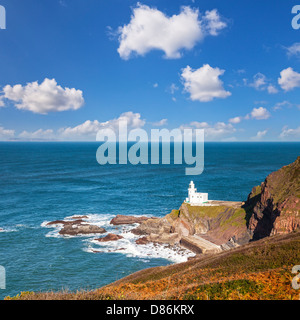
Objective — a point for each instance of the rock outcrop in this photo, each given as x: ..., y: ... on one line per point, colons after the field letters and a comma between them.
x: 201, y: 229
x: 75, y: 227
x: 142, y: 241
x: 110, y: 237
x: 64, y: 222
x: 276, y: 203
x: 122, y: 219
x: 80, y: 229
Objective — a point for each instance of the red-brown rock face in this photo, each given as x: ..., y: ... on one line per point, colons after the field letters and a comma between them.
x: 276, y: 209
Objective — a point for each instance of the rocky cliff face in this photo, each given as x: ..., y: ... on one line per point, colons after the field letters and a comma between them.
x: 271, y: 208
x: 205, y: 229
x: 276, y: 203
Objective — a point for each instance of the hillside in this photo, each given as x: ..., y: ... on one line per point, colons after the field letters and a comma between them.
x: 244, y: 250
x: 258, y: 270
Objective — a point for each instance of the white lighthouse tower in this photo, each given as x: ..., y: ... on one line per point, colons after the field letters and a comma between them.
x: 196, y: 198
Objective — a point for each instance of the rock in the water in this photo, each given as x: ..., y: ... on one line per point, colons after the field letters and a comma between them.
x: 65, y: 223
x: 76, y: 227
x: 142, y: 240
x: 121, y: 219
x: 110, y: 237
x: 79, y: 217
x: 80, y: 229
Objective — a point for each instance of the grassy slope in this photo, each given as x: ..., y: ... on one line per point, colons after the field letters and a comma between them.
x: 259, y: 270
x: 286, y: 182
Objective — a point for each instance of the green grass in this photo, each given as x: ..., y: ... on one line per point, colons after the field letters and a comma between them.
x: 205, y: 212
x: 238, y: 219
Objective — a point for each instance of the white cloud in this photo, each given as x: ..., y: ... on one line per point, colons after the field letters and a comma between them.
x: 289, y: 79
x: 203, y: 84
x: 260, y: 82
x: 272, y: 89
x: 173, y: 88
x: 293, y: 50
x: 150, y: 29
x: 6, y: 133
x: 155, y: 85
x: 2, y: 102
x: 216, y: 131
x: 90, y: 128
x: 259, y: 135
x: 44, y: 98
x: 260, y: 113
x: 37, y: 135
x: 213, y: 22
x: 280, y: 105
x: 236, y: 120
x: 256, y: 113
x: 290, y: 134
x: 160, y: 123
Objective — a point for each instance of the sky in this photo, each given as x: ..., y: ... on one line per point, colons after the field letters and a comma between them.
x: 69, y: 68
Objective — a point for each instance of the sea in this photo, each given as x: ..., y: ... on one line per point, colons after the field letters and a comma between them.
x: 45, y: 181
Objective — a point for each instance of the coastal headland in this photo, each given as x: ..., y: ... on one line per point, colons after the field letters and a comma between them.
x: 243, y: 250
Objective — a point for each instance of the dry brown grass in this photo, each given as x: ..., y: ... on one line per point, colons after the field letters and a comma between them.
x: 259, y: 270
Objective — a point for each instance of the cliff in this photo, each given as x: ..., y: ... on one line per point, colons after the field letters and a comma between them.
x: 202, y: 229
x: 271, y: 208
x: 276, y: 203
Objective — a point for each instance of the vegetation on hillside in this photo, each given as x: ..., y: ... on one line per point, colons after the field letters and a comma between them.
x: 258, y: 270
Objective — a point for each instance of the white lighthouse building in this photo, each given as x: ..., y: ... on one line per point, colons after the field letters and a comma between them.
x: 196, y: 198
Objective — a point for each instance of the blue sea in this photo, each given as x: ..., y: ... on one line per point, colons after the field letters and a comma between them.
x: 42, y: 182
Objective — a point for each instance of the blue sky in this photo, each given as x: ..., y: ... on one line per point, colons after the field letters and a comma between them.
x: 71, y: 67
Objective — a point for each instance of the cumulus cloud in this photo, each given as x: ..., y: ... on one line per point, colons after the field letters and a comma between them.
x: 6, y: 133
x: 236, y: 120
x: 203, y: 84
x: 293, y: 50
x: 290, y: 134
x: 160, y: 123
x: 259, y: 135
x: 256, y: 114
x: 289, y: 79
x: 150, y: 29
x: 281, y: 105
x: 90, y: 128
x: 260, y: 82
x: 44, y: 98
x: 173, y: 88
x: 39, y: 134
x: 213, y: 23
x: 217, y: 131
x: 260, y: 113
x: 272, y: 89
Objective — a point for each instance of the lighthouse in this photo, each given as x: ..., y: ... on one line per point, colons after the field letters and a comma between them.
x: 196, y: 198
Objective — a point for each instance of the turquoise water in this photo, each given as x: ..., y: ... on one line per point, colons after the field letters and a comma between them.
x: 41, y: 182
